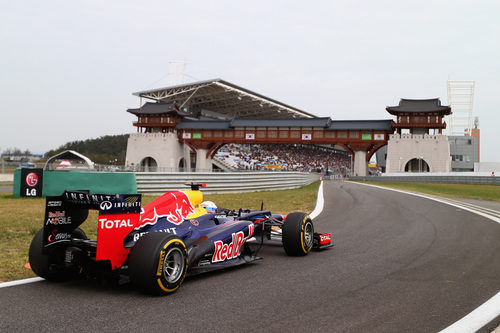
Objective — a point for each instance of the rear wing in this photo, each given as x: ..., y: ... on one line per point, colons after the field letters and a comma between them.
x: 65, y: 213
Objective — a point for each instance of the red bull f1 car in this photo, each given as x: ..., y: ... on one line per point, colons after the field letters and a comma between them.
x: 157, y: 245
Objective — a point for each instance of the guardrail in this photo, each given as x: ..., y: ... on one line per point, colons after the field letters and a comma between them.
x: 158, y: 183
x: 486, y: 180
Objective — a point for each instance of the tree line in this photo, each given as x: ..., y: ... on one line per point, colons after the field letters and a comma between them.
x: 108, y: 149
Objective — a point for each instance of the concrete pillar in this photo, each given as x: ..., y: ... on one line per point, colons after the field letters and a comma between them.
x: 360, y: 164
x: 202, y: 162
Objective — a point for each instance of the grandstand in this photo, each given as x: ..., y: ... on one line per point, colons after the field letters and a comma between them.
x: 291, y: 157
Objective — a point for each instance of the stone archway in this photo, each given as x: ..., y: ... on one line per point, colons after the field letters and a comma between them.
x: 182, y: 164
x: 149, y: 164
x: 417, y: 165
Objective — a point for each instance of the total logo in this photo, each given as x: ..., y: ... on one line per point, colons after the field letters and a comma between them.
x: 31, y: 179
x: 325, y: 239
x: 232, y: 250
x: 114, y: 224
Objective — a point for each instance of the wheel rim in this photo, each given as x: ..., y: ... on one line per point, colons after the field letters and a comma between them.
x: 173, y: 265
x: 308, y: 234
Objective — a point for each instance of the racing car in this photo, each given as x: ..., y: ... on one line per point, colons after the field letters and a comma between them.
x: 157, y: 245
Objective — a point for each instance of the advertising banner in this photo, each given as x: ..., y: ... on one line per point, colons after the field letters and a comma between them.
x: 366, y: 136
x: 196, y: 135
x: 31, y: 182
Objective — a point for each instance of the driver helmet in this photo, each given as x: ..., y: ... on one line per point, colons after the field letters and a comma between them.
x: 209, y: 206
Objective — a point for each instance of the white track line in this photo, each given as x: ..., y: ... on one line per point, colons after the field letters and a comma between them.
x: 320, y: 202
x: 487, y: 311
x: 18, y: 282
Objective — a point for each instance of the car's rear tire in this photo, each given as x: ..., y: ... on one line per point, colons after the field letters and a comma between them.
x: 50, y: 265
x: 158, y: 263
x: 297, y: 234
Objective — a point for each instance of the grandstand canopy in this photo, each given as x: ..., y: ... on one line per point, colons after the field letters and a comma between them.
x: 223, y: 98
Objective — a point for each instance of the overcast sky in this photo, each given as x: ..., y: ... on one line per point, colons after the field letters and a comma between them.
x: 68, y: 68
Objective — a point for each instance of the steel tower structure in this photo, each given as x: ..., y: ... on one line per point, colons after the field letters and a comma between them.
x: 461, y: 100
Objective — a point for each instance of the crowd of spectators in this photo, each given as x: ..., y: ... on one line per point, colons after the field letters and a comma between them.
x: 306, y: 158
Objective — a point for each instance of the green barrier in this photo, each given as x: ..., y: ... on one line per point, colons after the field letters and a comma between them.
x: 56, y: 182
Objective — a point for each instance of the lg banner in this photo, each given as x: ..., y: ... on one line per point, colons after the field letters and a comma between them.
x: 31, y: 182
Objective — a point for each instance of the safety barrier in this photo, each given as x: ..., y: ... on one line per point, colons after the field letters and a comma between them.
x: 56, y: 182
x: 157, y: 183
x: 488, y: 180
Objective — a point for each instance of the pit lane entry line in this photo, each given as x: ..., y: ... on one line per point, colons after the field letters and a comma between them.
x: 487, y: 311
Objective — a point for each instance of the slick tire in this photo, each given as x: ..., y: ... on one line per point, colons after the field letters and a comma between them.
x: 297, y: 234
x: 158, y: 263
x: 50, y: 265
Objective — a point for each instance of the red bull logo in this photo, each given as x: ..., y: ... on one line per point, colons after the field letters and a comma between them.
x: 232, y: 250
x: 175, y: 206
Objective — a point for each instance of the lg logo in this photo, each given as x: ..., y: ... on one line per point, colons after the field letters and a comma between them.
x: 32, y: 179
x: 106, y: 205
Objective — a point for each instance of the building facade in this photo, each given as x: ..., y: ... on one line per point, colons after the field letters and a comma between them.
x: 418, y: 144
x: 464, y: 151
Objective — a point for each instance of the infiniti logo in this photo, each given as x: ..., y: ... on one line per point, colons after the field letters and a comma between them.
x: 106, y: 205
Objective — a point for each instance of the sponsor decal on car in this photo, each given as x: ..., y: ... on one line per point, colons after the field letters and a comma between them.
x: 54, y: 203
x: 175, y: 207
x: 58, y: 236
x: 110, y: 224
x: 129, y: 202
x: 232, y: 250
x: 57, y: 218
x: 140, y: 234
x: 325, y: 239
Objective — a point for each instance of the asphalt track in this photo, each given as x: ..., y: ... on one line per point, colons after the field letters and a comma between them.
x: 400, y: 264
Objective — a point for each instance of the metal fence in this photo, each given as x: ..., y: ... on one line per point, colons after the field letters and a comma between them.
x: 157, y: 183
x: 485, y: 180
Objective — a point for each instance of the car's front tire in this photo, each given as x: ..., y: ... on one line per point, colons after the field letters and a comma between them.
x: 158, y: 263
x: 297, y: 234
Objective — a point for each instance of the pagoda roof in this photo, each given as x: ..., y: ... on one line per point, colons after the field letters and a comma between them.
x: 157, y: 108
x: 432, y: 105
x: 326, y: 123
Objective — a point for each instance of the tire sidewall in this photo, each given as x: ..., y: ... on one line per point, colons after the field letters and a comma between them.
x: 294, y: 234
x: 146, y: 263
x: 163, y: 284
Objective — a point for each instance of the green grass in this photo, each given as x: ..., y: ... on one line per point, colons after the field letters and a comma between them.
x: 21, y: 218
x: 480, y: 192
